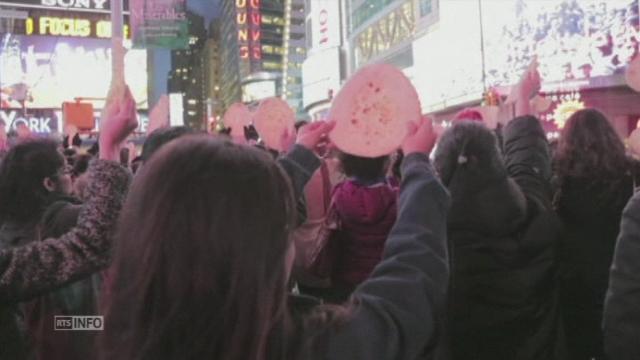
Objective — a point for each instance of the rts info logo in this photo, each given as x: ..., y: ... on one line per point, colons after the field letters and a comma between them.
x: 91, y: 323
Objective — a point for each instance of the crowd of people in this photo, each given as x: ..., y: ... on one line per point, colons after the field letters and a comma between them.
x: 496, y: 247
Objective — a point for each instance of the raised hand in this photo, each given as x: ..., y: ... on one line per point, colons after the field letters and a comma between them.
x: 421, y: 137
x: 287, y: 139
x: 312, y: 134
x: 119, y: 121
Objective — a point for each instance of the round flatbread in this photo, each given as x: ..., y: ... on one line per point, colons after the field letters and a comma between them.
x: 237, y: 117
x: 372, y: 111
x: 272, y: 118
x: 632, y: 75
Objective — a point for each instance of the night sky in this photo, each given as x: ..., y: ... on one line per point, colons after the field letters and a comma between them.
x: 206, y: 8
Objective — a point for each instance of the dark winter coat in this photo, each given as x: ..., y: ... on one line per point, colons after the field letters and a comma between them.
x: 621, y: 308
x: 43, y: 266
x: 366, y: 215
x: 503, y: 235
x: 590, y: 209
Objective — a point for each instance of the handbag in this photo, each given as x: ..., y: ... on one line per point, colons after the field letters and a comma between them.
x: 312, y: 237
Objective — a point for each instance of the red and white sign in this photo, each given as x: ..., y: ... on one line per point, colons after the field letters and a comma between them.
x: 325, y: 24
x: 249, y: 21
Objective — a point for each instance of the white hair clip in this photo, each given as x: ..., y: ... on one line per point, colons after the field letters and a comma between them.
x: 462, y: 159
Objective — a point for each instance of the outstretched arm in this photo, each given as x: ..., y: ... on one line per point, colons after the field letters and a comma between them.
x: 43, y: 266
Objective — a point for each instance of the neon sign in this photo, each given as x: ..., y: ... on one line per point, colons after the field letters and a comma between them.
x: 248, y: 20
x: 59, y: 26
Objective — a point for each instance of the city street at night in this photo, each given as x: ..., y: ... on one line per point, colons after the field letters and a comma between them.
x: 320, y: 179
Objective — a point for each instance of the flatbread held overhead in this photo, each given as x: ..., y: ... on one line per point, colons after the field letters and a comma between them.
x: 372, y: 111
x: 272, y: 118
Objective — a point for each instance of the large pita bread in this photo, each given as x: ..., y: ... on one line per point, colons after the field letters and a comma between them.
x: 237, y: 117
x: 272, y: 118
x: 372, y: 111
x: 632, y: 75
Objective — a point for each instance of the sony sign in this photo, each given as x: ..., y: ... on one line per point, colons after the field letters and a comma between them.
x: 97, y: 6
x: 76, y: 4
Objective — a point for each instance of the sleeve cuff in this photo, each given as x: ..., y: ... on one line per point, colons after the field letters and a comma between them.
x: 304, y: 157
x: 417, y: 160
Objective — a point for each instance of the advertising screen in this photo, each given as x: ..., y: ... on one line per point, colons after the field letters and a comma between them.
x: 258, y: 90
x: 584, y: 42
x: 47, y: 71
x: 320, y: 76
x: 448, y: 60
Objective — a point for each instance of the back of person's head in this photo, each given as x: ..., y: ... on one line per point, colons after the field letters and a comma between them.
x: 467, y: 153
x: 22, y: 175
x: 200, y: 260
x: 81, y: 164
x: 590, y: 147
x: 160, y: 137
x: 468, y: 115
x: 363, y: 168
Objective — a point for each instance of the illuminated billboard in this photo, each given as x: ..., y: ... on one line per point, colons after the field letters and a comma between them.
x: 320, y: 76
x: 578, y: 44
x: 575, y: 41
x: 70, y: 26
x: 52, y: 70
x: 258, y: 90
x: 448, y: 60
x: 324, y: 16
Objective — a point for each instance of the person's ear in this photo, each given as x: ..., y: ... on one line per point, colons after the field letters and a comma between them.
x: 49, y: 184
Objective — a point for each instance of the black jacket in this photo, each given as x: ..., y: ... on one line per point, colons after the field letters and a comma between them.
x: 622, y: 310
x: 60, y: 212
x: 590, y: 209
x: 503, y: 233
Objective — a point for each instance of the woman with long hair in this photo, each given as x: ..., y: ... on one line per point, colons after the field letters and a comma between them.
x: 593, y: 180
x: 203, y: 256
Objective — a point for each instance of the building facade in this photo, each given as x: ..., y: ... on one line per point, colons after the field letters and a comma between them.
x: 187, y: 75
x: 263, y: 51
x: 294, y: 55
x: 212, y: 73
x: 325, y: 66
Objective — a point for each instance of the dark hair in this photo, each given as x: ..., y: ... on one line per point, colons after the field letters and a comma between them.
x: 468, y: 151
x: 160, y: 137
x: 22, y: 172
x: 368, y: 169
x: 191, y: 279
x: 81, y: 164
x: 300, y: 124
x: 589, y: 147
x: 396, y: 167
